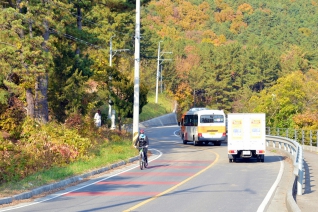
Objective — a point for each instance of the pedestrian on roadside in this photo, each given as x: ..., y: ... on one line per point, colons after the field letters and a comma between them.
x: 98, y: 119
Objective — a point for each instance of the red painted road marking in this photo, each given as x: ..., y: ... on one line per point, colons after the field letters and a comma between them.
x: 158, y: 173
x: 183, y: 161
x: 137, y: 183
x: 178, y: 167
x: 111, y: 193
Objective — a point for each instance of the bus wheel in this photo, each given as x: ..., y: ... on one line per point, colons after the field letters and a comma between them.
x: 195, y: 143
x: 184, y: 141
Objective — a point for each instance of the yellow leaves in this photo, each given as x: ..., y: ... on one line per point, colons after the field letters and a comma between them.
x: 305, y: 31
x: 246, y: 8
x: 236, y: 26
x: 220, y: 40
x: 224, y: 15
x: 181, y: 13
x: 18, y: 45
x: 307, y: 120
x: 228, y: 14
x: 171, y: 32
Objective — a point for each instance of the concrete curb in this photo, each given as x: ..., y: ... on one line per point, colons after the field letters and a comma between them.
x: 57, y: 185
x: 290, y: 201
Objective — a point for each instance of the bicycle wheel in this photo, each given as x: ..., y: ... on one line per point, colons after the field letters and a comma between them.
x: 141, y: 161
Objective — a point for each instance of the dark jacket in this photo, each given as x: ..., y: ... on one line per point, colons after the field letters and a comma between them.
x: 142, y: 140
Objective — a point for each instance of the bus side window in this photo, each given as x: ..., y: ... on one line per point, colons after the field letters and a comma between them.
x: 195, y: 120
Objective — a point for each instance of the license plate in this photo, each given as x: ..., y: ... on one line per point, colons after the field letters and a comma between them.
x: 246, y: 152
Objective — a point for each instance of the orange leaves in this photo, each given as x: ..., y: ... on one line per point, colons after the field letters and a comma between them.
x: 181, y: 13
x: 246, y: 8
x: 224, y: 15
x: 306, y: 120
x: 236, y: 26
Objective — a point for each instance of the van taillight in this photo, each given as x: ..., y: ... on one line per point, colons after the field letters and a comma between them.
x: 231, y: 151
x: 224, y: 134
x: 199, y: 134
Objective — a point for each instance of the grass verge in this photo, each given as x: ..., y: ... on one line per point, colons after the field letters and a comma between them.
x: 152, y: 109
x: 107, y: 154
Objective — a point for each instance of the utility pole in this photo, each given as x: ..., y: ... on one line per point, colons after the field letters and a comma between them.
x: 161, y: 78
x: 158, y: 64
x: 111, y: 113
x: 136, y: 80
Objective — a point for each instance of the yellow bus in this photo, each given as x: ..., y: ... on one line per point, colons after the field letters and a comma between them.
x: 202, y: 126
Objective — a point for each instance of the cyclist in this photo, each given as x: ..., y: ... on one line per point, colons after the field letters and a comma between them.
x: 142, y: 141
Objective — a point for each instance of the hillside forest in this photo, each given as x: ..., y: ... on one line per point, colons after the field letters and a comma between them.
x: 235, y: 55
x: 61, y: 60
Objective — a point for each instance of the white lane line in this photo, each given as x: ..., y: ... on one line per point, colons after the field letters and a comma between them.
x: 53, y: 196
x: 175, y: 133
x: 170, y: 126
x: 261, y: 208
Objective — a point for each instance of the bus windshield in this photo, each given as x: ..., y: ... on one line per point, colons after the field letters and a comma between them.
x: 212, y: 119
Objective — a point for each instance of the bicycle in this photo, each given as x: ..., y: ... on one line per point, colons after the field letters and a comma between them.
x: 142, y: 159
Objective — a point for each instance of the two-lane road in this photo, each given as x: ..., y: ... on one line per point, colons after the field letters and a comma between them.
x: 179, y: 178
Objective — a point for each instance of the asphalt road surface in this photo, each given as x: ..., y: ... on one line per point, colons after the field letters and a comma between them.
x: 179, y: 178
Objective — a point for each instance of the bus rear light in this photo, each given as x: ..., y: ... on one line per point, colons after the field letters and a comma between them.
x: 224, y: 134
x: 260, y: 151
x: 232, y: 151
x: 199, y: 134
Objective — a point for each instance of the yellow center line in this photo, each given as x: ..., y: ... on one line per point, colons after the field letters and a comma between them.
x: 174, y: 187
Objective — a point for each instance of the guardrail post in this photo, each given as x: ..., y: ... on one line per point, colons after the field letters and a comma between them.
x: 310, y: 138
x: 274, y: 144
x: 302, y: 136
x: 300, y: 172
x: 279, y: 145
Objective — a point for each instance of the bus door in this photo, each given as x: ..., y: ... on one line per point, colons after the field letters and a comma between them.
x: 190, y: 123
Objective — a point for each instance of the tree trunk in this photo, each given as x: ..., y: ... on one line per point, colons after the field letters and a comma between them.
x: 41, y: 104
x: 79, y: 25
x: 30, y: 103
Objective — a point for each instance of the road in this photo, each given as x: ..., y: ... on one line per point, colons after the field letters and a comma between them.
x: 179, y: 178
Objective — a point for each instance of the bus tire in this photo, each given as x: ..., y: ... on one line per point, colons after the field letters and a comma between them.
x: 195, y: 143
x: 184, y: 141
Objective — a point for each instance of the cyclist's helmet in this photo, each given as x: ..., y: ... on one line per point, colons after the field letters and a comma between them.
x: 141, y: 131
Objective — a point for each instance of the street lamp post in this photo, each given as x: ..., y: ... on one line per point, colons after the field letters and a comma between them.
x: 136, y: 80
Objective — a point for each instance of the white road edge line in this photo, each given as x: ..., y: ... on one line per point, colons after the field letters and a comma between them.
x: 261, y: 208
x: 58, y: 195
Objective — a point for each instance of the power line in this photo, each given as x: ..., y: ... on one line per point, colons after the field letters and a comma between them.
x: 71, y: 37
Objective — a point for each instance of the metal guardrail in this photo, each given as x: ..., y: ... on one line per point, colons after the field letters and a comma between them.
x: 304, y: 137
x: 296, y: 152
